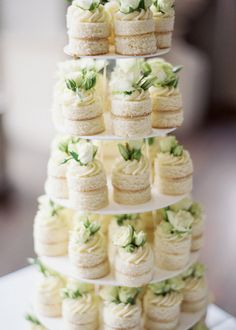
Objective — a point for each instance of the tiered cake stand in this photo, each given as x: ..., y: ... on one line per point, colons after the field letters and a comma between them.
x: 62, y: 265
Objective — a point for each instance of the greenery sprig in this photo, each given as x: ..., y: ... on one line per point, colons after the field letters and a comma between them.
x: 54, y: 208
x: 70, y: 294
x: 195, y: 271
x: 41, y: 267
x: 120, y: 219
x: 86, y: 81
x: 129, y: 153
x: 120, y: 295
x: 31, y: 318
x: 170, y: 145
x: 86, y: 230
x: 167, y: 286
x: 76, y: 156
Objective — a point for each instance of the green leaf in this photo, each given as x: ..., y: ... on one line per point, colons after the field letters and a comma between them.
x: 137, y: 154
x: 177, y: 68
x: 42, y: 269
x: 74, y: 155
x: 71, y: 84
x: 31, y: 318
x: 123, y: 151
x: 69, y: 294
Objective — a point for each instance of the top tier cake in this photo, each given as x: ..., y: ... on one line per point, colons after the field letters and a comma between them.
x: 126, y: 27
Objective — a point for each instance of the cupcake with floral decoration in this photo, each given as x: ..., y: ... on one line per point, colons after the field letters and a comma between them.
x: 88, y: 251
x: 121, y: 308
x: 82, y: 107
x: 134, y: 28
x: 88, y: 28
x: 48, y: 301
x: 173, y: 168
x: 195, y: 209
x: 86, y: 177
x: 130, y: 98
x: 162, y: 303
x: 80, y: 306
x: 131, y: 175
x: 167, y: 105
x: 122, y: 220
x: 172, y: 242
x: 71, y: 70
x: 164, y: 17
x: 56, y: 183
x: 51, y: 229
x: 134, y: 259
x: 195, y: 289
x: 33, y: 323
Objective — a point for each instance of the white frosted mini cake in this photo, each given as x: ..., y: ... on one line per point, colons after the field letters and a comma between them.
x: 134, y: 28
x: 88, y: 28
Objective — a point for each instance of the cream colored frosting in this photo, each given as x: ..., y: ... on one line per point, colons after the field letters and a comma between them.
x: 91, y: 169
x: 159, y: 14
x: 95, y: 245
x: 132, y: 167
x: 137, y: 95
x: 49, y: 289
x: 55, y: 222
x: 194, y: 283
x: 163, y: 91
x: 72, y: 100
x: 168, y: 300
x: 31, y: 326
x: 76, y: 14
x: 123, y: 310
x: 171, y: 160
x: 140, y: 255
x: 84, y: 307
x: 135, y: 15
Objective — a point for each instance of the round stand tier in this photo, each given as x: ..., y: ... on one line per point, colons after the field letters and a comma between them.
x: 157, y: 202
x: 187, y: 320
x: 63, y: 266
x: 112, y: 55
x: 107, y: 135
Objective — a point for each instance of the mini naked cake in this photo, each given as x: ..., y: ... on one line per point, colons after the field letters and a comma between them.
x: 195, y: 209
x: 56, y: 183
x: 195, y: 290
x: 162, y: 303
x: 88, y: 28
x: 88, y: 251
x: 51, y: 229
x: 48, y: 300
x: 82, y: 107
x: 121, y: 308
x: 134, y: 259
x: 33, y: 323
x: 164, y: 17
x: 130, y: 98
x: 167, y: 106
x: 172, y: 241
x: 86, y: 177
x: 131, y: 175
x: 134, y: 28
x: 173, y: 168
x: 79, y: 307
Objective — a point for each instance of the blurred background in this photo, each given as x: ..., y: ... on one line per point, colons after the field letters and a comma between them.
x: 32, y: 36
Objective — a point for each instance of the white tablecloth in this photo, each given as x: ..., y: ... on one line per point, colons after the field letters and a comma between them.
x: 16, y: 291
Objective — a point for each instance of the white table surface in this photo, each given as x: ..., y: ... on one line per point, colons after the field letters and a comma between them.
x: 16, y: 291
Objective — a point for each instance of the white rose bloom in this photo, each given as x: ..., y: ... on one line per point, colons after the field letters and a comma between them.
x: 123, y: 236
x: 136, y: 144
x: 109, y: 293
x: 166, y: 4
x: 126, y: 4
x: 85, y: 4
x: 140, y: 238
x: 126, y: 65
x: 181, y: 221
x: 125, y: 293
x: 85, y: 151
x: 122, y: 85
x: 73, y: 147
x: 184, y: 204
